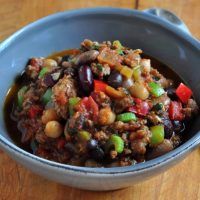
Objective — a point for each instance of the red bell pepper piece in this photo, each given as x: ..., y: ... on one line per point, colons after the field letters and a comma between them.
x: 34, y: 111
x: 93, y: 108
x: 90, y: 107
x: 175, y: 111
x: 183, y: 92
x: 141, y: 108
x: 99, y: 86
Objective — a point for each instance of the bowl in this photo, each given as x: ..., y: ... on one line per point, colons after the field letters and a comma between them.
x: 158, y: 38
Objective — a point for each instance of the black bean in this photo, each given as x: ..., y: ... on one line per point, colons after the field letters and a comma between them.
x: 115, y: 79
x: 168, y: 127
x: 92, y: 144
x: 178, y: 126
x: 86, y: 79
x: 48, y: 80
x: 97, y: 154
x: 171, y: 92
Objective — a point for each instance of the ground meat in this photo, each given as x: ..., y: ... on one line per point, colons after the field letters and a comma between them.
x: 161, y: 149
x: 175, y: 140
x: 76, y: 122
x: 122, y: 104
x: 138, y: 146
x: 139, y: 134
x: 154, y: 118
x: 100, y: 135
x: 30, y: 98
x: 62, y: 91
x: 71, y: 71
x: 28, y: 127
x: 100, y: 70
x: 132, y: 58
x: 101, y: 99
x: 51, y: 153
x: 165, y: 83
x: 164, y: 99
x: 92, y: 163
x: 110, y: 57
x: 125, y: 162
x: 87, y: 44
x: 130, y: 126
x: 40, y: 137
x: 33, y: 67
x: 113, y: 154
x: 139, y: 140
x: 191, y: 107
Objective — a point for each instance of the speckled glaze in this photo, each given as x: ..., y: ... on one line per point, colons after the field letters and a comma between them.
x: 135, y: 29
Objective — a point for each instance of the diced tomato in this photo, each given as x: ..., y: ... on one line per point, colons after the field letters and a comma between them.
x: 99, y: 86
x: 175, y: 111
x: 90, y: 107
x: 141, y: 108
x: 183, y: 92
x: 34, y: 111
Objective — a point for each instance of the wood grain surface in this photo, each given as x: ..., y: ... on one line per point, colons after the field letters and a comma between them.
x: 16, y: 182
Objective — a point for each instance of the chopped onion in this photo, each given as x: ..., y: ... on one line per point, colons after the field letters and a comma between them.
x: 56, y: 76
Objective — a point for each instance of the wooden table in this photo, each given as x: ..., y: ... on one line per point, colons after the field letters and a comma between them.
x: 16, y: 182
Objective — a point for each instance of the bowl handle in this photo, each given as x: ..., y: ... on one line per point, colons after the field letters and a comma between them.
x: 169, y: 17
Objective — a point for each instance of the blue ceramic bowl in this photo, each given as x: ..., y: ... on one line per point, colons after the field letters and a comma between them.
x: 135, y: 29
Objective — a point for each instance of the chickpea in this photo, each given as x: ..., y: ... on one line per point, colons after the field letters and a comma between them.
x: 49, y: 63
x: 49, y: 115
x: 106, y: 116
x: 139, y: 90
x: 53, y: 129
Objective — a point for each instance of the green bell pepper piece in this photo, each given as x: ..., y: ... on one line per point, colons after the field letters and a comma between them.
x: 43, y: 71
x: 155, y: 89
x: 72, y: 102
x: 46, y: 96
x: 117, y: 142
x: 126, y: 117
x: 117, y: 44
x: 158, y: 134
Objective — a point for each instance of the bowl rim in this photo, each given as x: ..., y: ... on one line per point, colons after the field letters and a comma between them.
x: 140, y: 167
